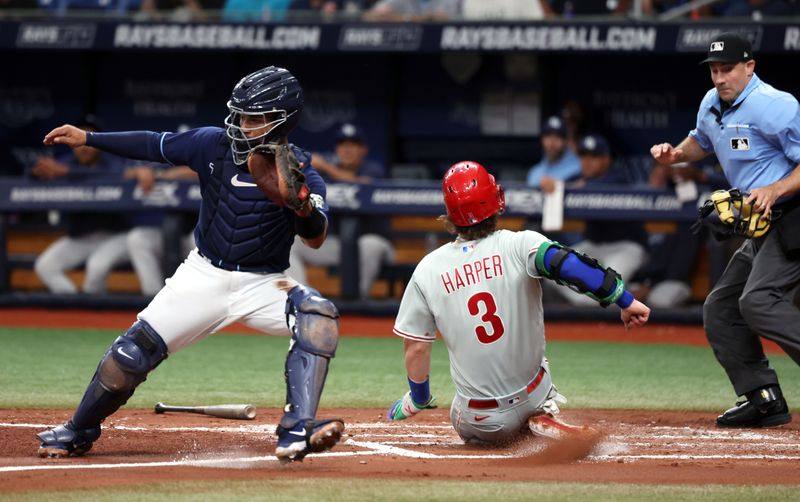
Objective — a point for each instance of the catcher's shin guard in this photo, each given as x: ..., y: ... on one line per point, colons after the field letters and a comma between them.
x: 124, y: 366
x: 314, y: 322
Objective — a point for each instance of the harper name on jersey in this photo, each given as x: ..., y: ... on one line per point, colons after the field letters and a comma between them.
x: 468, y: 274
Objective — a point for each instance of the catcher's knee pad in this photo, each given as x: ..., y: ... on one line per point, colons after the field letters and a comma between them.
x: 131, y: 357
x: 313, y: 321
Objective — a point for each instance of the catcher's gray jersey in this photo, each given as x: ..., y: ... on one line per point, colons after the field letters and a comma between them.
x: 484, y: 301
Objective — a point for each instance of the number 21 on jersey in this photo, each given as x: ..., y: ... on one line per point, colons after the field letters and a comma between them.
x: 485, y: 301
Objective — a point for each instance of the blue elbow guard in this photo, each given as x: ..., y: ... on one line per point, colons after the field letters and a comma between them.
x: 592, y: 279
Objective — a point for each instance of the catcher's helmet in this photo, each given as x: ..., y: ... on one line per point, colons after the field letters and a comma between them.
x: 272, y: 93
x: 471, y: 194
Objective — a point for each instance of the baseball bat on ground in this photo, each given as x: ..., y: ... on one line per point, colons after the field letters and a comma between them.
x: 237, y: 411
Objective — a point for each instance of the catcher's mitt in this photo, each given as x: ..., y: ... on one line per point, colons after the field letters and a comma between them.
x: 278, y: 174
x: 740, y: 217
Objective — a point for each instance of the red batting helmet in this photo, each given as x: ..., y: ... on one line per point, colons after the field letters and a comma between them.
x: 470, y: 194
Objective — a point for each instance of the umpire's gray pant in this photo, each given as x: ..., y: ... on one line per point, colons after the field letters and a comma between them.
x: 753, y: 298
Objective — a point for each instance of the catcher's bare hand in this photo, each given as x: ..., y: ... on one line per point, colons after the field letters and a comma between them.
x: 636, y: 314
x: 66, y: 135
x: 279, y: 175
x: 665, y: 153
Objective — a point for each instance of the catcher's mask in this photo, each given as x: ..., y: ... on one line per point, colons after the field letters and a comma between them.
x: 272, y: 98
x: 740, y: 217
x: 471, y: 194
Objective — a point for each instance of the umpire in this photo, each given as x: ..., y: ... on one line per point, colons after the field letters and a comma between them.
x: 754, y: 130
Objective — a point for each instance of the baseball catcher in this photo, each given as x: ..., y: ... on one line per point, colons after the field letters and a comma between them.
x: 258, y: 192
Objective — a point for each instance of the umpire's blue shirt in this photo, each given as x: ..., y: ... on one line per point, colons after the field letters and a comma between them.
x: 238, y: 228
x: 756, y: 139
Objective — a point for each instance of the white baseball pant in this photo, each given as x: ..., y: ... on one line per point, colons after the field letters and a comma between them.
x: 500, y: 419
x: 201, y: 299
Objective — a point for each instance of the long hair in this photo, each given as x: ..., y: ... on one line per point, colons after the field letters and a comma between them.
x: 472, y: 232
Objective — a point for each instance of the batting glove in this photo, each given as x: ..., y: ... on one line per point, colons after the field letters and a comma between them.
x: 406, y: 407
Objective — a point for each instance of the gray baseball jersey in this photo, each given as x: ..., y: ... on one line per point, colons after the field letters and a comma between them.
x: 484, y: 299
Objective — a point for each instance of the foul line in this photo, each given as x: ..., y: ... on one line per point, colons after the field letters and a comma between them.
x: 693, y: 457
x: 211, y: 462
x: 372, y: 449
x: 385, y: 449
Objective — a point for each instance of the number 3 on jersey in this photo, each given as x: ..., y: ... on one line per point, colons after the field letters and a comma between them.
x: 490, y: 316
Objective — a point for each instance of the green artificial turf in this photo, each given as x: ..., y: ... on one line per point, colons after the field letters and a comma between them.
x: 50, y: 368
x: 314, y: 490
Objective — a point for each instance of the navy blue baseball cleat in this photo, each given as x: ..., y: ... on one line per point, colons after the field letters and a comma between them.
x: 64, y: 440
x: 307, y: 436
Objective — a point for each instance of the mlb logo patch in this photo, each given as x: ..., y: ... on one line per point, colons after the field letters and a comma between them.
x: 468, y: 248
x: 717, y: 46
x: 513, y: 400
x: 740, y: 144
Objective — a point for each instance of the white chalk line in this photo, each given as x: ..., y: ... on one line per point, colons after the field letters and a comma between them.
x: 211, y: 462
x: 402, y: 452
x: 699, y: 444
x: 372, y: 449
x: 392, y: 448
x: 692, y: 457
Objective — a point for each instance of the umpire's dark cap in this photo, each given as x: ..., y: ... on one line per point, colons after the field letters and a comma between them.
x: 593, y: 144
x: 729, y: 47
x: 554, y: 125
x: 350, y: 132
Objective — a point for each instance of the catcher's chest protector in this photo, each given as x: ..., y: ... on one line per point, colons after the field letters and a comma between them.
x: 237, y: 224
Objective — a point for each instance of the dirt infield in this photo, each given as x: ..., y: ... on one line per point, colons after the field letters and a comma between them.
x: 139, y: 446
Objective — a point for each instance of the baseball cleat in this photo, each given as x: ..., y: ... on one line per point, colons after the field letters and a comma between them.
x: 64, y: 441
x: 763, y: 408
x: 306, y: 437
x: 549, y: 426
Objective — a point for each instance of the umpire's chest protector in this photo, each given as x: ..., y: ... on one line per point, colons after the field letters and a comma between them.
x: 238, y: 228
